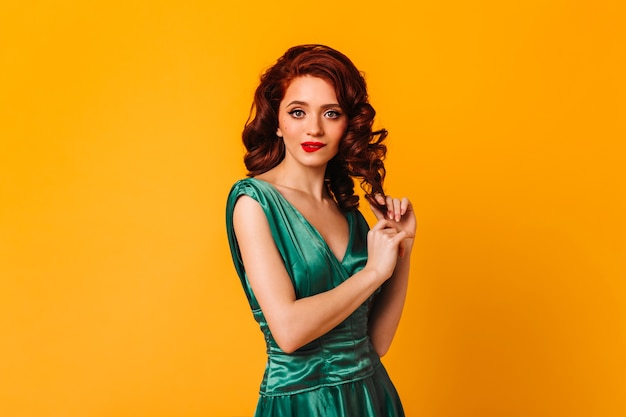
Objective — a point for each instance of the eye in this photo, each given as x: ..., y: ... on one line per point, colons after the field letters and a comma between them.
x: 332, y: 114
x: 297, y: 113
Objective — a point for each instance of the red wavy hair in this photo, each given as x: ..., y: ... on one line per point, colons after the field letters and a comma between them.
x: 361, y: 151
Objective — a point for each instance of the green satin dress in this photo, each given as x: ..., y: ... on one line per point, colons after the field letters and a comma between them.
x: 339, y: 374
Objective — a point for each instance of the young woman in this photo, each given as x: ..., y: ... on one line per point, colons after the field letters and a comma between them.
x: 326, y: 290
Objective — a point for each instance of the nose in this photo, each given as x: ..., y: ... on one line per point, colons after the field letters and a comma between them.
x: 315, y: 127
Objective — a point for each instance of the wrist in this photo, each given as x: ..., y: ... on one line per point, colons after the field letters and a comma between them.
x: 373, y: 276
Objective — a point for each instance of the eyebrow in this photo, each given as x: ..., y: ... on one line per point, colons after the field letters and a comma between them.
x: 304, y: 103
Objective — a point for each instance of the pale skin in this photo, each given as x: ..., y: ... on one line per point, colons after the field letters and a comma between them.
x: 309, y: 113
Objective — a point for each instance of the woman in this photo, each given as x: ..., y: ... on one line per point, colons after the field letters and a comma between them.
x: 326, y: 290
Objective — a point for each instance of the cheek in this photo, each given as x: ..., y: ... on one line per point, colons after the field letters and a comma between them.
x: 341, y: 128
x: 284, y: 125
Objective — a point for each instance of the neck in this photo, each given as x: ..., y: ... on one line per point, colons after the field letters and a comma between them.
x: 306, y: 180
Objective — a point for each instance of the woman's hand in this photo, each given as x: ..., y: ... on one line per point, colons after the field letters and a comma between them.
x: 401, y: 215
x: 383, y: 248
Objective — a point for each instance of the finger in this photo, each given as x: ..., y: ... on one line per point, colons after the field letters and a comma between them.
x: 394, y: 209
x: 389, y: 231
x: 397, y: 209
x: 374, y: 204
x: 377, y: 213
x: 382, y: 224
x: 389, y: 203
x: 402, y: 235
x: 397, y: 239
x: 404, y: 205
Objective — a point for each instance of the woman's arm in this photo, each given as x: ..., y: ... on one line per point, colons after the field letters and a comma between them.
x: 389, y: 303
x: 296, y: 322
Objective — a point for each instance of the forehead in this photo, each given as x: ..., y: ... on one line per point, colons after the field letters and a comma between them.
x: 311, y: 90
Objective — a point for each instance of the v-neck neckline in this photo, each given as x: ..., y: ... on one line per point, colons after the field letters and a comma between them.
x: 346, y: 215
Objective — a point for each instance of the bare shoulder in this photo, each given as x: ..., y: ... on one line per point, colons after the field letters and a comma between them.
x: 246, y: 205
x: 249, y: 219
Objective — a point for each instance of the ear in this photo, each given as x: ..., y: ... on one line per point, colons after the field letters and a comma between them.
x: 279, y: 133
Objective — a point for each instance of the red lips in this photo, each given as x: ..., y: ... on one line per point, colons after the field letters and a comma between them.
x: 312, y: 146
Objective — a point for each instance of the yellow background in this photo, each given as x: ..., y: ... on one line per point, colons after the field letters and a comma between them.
x: 120, y: 131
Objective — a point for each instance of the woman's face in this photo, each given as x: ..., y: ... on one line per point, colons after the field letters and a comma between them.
x: 310, y: 121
